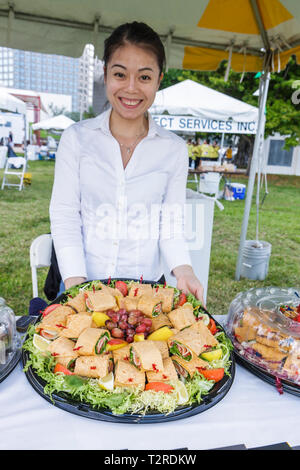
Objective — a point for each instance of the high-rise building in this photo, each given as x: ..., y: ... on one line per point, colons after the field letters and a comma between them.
x: 50, y: 73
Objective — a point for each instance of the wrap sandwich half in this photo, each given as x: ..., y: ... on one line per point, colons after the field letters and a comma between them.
x: 55, y: 321
x: 190, y: 342
x: 187, y: 369
x: 146, y: 356
x: 168, y: 374
x: 166, y: 295
x: 75, y: 325
x: 149, y: 305
x: 182, y: 317
x: 99, y: 301
x: 62, y: 349
x: 126, y: 375
x: 92, y: 341
x: 77, y: 302
x: 94, y: 366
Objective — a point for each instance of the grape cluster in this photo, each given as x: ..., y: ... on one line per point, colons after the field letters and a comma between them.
x: 124, y: 325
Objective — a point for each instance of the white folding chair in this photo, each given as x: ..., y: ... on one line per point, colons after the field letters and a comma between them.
x: 15, y: 166
x: 40, y: 257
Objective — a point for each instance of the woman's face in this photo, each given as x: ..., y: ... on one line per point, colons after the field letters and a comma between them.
x: 132, y: 79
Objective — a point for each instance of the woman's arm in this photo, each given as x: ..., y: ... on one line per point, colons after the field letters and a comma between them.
x: 74, y: 281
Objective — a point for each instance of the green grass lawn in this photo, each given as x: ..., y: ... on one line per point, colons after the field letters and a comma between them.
x: 25, y: 214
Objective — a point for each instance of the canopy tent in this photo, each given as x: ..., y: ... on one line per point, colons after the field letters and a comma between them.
x: 189, y: 97
x: 9, y: 103
x: 60, y: 122
x: 253, y: 35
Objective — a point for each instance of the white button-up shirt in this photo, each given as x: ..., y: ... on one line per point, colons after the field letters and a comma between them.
x: 110, y: 221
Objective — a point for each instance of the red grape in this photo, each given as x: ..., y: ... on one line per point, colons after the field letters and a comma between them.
x: 147, y: 321
x: 123, y: 324
x: 141, y: 328
x: 110, y: 324
x: 117, y: 333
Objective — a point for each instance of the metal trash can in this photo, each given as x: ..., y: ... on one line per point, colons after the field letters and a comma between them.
x: 255, y: 261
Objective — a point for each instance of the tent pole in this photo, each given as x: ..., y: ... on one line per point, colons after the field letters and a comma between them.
x: 259, y: 135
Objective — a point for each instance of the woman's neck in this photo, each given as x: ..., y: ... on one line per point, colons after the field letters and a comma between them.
x: 127, y: 128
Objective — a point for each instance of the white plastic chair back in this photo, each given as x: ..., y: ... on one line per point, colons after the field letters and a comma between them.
x: 19, y: 164
x: 40, y: 257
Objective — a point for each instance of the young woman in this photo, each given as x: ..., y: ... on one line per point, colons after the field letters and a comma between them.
x: 120, y: 180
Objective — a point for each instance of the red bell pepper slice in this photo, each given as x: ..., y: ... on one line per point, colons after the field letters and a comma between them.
x: 212, y: 374
x: 212, y: 326
x: 159, y: 387
x: 59, y: 368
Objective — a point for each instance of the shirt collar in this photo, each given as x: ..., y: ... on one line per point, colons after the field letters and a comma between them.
x: 102, y: 122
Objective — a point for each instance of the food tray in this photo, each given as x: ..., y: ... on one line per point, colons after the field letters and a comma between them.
x: 63, y: 401
x: 267, y: 301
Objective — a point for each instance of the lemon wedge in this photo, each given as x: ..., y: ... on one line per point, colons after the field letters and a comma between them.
x: 107, y: 383
x: 162, y: 334
x: 40, y: 343
x: 100, y: 318
x: 182, y: 393
x: 139, y: 337
x: 212, y: 355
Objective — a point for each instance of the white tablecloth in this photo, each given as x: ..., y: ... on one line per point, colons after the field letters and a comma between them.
x: 252, y: 413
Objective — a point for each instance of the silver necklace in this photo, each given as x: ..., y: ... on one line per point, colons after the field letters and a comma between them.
x: 129, y: 148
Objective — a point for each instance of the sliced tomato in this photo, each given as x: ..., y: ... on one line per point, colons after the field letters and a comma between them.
x: 182, y: 299
x: 114, y: 341
x: 50, y: 309
x: 49, y: 334
x: 122, y: 287
x: 212, y: 326
x: 159, y: 387
x: 212, y: 374
x: 59, y: 368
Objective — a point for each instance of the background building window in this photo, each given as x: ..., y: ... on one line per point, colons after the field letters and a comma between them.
x: 279, y: 156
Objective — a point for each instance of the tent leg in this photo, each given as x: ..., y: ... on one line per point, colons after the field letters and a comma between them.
x: 259, y: 135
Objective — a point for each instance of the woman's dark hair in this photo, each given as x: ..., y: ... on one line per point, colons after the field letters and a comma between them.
x: 139, y: 34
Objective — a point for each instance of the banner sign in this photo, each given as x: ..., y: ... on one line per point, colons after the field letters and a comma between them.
x: 198, y: 124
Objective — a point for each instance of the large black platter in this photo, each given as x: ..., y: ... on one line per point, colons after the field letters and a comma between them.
x: 65, y: 402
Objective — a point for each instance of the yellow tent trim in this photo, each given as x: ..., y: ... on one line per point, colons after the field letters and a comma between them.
x: 284, y: 57
x: 236, y: 16
x: 201, y: 58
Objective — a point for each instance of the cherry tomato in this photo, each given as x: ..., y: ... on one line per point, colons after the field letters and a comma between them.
x: 122, y: 287
x: 50, y: 309
x: 181, y: 300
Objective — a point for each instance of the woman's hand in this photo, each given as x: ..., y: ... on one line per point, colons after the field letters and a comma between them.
x: 73, y: 281
x: 188, y: 282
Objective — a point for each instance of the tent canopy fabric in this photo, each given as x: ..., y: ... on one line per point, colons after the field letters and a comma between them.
x: 60, y: 122
x: 189, y: 97
x: 198, y: 34
x: 10, y: 103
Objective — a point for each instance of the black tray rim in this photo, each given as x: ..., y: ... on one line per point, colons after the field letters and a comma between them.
x: 266, y: 376
x: 11, y: 364
x: 217, y: 393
